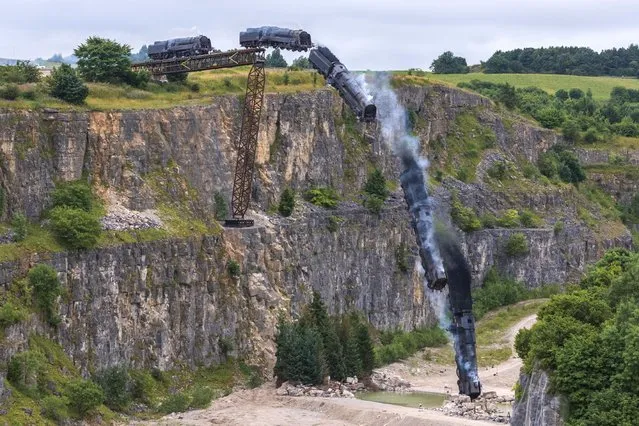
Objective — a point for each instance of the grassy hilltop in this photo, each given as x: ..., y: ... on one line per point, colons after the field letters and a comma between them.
x: 600, y: 86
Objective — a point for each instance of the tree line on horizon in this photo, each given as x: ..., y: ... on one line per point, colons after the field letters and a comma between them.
x: 617, y: 62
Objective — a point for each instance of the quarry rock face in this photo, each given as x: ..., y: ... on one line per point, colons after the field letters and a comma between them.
x: 173, y: 302
x: 537, y: 407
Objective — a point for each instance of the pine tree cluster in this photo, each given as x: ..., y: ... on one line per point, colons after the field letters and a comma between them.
x: 317, y: 345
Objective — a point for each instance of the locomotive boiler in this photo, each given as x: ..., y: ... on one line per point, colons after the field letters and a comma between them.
x: 282, y: 38
x: 338, y: 76
x: 180, y: 47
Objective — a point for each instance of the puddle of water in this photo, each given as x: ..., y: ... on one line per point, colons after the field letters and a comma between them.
x: 408, y: 399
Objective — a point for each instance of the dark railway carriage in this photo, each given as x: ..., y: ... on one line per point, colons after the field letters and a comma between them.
x: 282, y: 38
x: 180, y: 47
x: 338, y: 76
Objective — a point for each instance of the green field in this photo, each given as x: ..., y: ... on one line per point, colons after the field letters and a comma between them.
x: 600, y: 86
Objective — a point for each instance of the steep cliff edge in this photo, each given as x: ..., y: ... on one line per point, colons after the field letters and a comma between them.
x: 172, y: 301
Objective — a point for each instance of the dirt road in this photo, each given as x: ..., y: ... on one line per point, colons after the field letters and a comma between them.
x: 442, y: 378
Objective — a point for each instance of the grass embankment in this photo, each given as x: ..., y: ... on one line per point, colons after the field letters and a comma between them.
x: 197, y: 90
x: 43, y: 395
x: 600, y: 86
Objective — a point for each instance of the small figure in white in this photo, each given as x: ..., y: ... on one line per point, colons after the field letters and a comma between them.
x: 421, y: 407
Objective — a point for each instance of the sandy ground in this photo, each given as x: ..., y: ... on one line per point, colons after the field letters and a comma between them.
x: 261, y: 406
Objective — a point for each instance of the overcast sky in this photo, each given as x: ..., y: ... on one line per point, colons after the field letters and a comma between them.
x: 377, y: 35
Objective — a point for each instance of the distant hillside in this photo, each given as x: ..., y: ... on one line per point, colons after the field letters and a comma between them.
x: 600, y: 86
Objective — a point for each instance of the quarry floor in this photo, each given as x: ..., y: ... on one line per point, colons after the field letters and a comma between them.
x: 261, y: 406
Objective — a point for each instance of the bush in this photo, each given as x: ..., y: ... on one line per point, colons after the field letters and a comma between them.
x: 498, y: 170
x: 65, y: 84
x: 401, y: 258
x: 179, y: 77
x: 10, y: 92
x: 46, y: 289
x: 176, y: 403
x: 11, y: 314
x: 558, y: 227
x: 221, y: 208
x: 374, y: 204
x: 334, y: 223
x: 19, y: 226
x: 75, y: 228
x: 464, y: 217
x: 591, y: 135
x: 510, y: 219
x: 488, y: 221
x: 376, y: 185
x: 323, y: 197
x: 287, y: 202
x: 84, y: 396
x: 116, y: 385
x: 400, y: 344
x: 54, y: 408
x: 76, y: 194
x: 26, y: 370
x: 517, y: 245
x: 529, y: 219
x: 201, y: 397
x: 233, y: 268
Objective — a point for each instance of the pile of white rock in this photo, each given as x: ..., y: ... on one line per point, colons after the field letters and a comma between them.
x: 328, y: 390
x: 483, y: 408
x: 120, y: 218
x: 386, y: 382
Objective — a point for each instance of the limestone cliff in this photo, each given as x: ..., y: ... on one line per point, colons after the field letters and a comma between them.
x: 172, y: 301
x: 537, y: 407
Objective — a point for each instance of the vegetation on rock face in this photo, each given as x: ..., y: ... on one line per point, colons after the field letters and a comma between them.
x: 323, y: 197
x: 462, y: 216
x: 517, y: 245
x: 375, y: 191
x: 74, y: 219
x: 287, y: 202
x: 221, y: 208
x: 587, y: 340
x: 46, y: 289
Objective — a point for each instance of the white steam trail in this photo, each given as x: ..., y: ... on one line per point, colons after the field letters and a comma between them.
x: 394, y: 129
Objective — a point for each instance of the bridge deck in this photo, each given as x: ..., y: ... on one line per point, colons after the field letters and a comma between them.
x: 229, y: 59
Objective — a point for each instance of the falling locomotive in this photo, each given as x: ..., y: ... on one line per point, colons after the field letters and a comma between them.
x: 338, y: 76
x: 462, y: 325
x: 420, y: 209
x: 180, y: 47
x: 282, y: 38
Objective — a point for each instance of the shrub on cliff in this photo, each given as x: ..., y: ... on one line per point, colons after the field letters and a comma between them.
x: 116, y: 385
x: 221, y: 208
x: 462, y: 216
x: 65, y: 84
x: 287, y: 202
x: 323, y: 197
x: 517, y: 245
x: 76, y: 194
x: 75, y: 228
x: 46, y: 289
x: 19, y: 226
x: 9, y: 92
x: 84, y: 396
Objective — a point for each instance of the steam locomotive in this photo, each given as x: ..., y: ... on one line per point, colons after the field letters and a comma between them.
x: 283, y: 38
x: 180, y: 47
x: 420, y: 209
x: 463, y: 331
x: 338, y: 76
x: 463, y: 323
